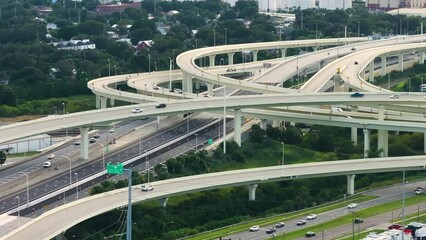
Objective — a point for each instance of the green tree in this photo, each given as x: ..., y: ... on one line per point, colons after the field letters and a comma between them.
x: 2, y: 158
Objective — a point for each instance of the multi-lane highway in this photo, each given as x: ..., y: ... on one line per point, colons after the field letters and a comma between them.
x: 62, y: 218
x: 83, y: 119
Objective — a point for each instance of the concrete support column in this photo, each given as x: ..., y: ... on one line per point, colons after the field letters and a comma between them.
x: 350, y: 184
x: 103, y: 102
x: 424, y: 142
x: 293, y: 124
x: 382, y: 142
x: 252, y: 191
x: 315, y: 48
x: 401, y: 62
x: 197, y: 84
x: 163, y: 202
x: 354, y: 135
x: 230, y: 58
x: 98, y: 101
x: 383, y: 63
x: 211, y: 60
x: 336, y: 80
x: 186, y: 83
x: 255, y: 55
x: 371, y: 72
x: 366, y: 142
x: 262, y: 124
x: 422, y: 57
x: 210, y: 89
x: 112, y: 102
x: 276, y: 124
x: 158, y: 122
x: 84, y: 143
x: 283, y: 52
x: 381, y: 113
x: 237, y: 126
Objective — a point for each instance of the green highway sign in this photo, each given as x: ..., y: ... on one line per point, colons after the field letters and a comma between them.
x: 115, y: 169
x: 210, y: 141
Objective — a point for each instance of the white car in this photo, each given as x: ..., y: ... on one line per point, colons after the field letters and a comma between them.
x: 254, y: 228
x: 352, y: 205
x: 311, y: 217
x: 147, y: 187
x: 111, y: 130
x: 177, y: 90
x: 51, y: 156
x: 394, y: 96
x: 136, y: 110
x: 47, y: 164
x: 78, y: 142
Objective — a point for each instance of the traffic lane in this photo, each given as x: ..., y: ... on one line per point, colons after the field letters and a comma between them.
x: 385, y: 195
x: 64, y: 179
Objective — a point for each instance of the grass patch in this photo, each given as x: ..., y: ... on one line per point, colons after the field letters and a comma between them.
x: 283, y: 217
x: 27, y: 154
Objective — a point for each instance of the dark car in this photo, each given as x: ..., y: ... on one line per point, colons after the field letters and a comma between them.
x: 356, y: 63
x: 270, y: 230
x: 395, y: 226
x: 353, y: 49
x: 358, y: 220
x: 161, y: 105
x: 96, y: 135
x: 310, y: 234
x: 357, y: 94
x: 92, y: 140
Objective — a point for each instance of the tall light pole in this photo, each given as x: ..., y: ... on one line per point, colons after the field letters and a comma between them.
x: 109, y: 67
x: 170, y: 74
x: 28, y: 189
x: 19, y: 211
x: 282, y: 157
x: 173, y: 60
x: 316, y: 31
x: 214, y: 37
x: 196, y: 142
x: 226, y: 36
x: 115, y: 68
x: 358, y: 29
x: 149, y: 63
x: 63, y: 108
x: 76, y: 183
x: 353, y: 226
x: 222, y: 61
x: 155, y: 64
x: 146, y: 164
x: 409, y: 85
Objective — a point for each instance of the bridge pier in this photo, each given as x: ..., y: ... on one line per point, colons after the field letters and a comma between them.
x: 371, y: 72
x: 283, y: 52
x: 186, y: 82
x: 262, y: 124
x: 366, y: 142
x: 97, y: 101
x: 84, y: 143
x: 350, y: 184
x: 424, y: 142
x: 103, y: 102
x: 276, y: 124
x: 211, y: 60
x: 401, y: 62
x: 112, y: 102
x: 237, y: 126
x: 383, y: 65
x: 255, y: 55
x: 197, y: 85
x: 315, y: 48
x: 163, y: 202
x: 230, y: 58
x: 382, y: 142
x: 422, y: 57
x: 354, y: 135
x: 210, y: 89
x: 252, y: 191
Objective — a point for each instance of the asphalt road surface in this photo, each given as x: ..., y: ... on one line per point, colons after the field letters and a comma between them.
x: 385, y: 195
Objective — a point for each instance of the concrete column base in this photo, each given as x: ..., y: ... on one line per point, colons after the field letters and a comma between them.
x: 252, y: 191
x: 350, y: 184
x: 84, y: 143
